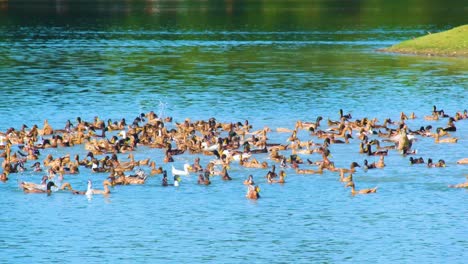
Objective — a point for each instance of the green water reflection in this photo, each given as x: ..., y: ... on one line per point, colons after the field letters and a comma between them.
x: 235, y: 14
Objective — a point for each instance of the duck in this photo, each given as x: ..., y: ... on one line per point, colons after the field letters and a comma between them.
x: 155, y: 170
x: 91, y: 191
x: 67, y: 186
x: 460, y: 185
x: 272, y: 172
x: 376, y: 142
x: 249, y: 180
x: 47, y: 129
x: 310, y: 171
x: 339, y: 141
x: 368, y: 166
x: 185, y: 172
x: 419, y: 160
x: 439, y: 164
x: 342, y: 116
x: 177, y: 181
x: 451, y: 125
x: 253, y: 192
x: 381, y: 163
x: 254, y: 163
x: 204, y: 180
x: 4, y: 177
x: 224, y: 174
x: 48, y: 188
x: 282, y: 176
x: 403, y: 140
x: 207, y: 147
x: 309, y: 125
x: 349, y: 178
x: 32, y: 185
x: 444, y: 140
x: 138, y: 178
x: 377, y: 152
x: 434, y: 116
x: 352, y: 167
x: 363, y: 191
x: 136, y: 163
x: 236, y: 155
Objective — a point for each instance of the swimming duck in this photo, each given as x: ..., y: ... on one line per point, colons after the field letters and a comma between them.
x: 249, y: 180
x: 47, y: 129
x: 138, y: 178
x: 444, y: 140
x: 381, y: 163
x: 164, y: 181
x: 204, y: 180
x: 346, y: 117
x: 48, y: 189
x: 282, y: 176
x: 272, y: 173
x: 368, y: 166
x: 439, y: 164
x: 185, y: 172
x: 403, y: 140
x: 363, y: 191
x: 349, y: 178
x: 32, y: 185
x: 377, y: 152
x: 254, y: 163
x: 310, y: 171
x: 339, y: 141
x: 352, y: 168
x: 224, y: 174
x: 67, y: 186
x: 309, y: 125
x: 207, y: 147
x: 155, y: 170
x: 253, y: 192
x: 460, y: 185
x: 4, y: 177
x: 420, y: 160
x: 451, y: 125
x: 376, y: 142
x: 91, y: 191
x: 177, y: 181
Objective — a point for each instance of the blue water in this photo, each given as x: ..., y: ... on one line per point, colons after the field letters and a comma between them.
x: 271, y: 78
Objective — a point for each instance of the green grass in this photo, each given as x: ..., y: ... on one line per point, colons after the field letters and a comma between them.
x: 453, y: 42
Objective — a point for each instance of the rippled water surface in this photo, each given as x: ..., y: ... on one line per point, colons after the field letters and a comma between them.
x: 272, y: 75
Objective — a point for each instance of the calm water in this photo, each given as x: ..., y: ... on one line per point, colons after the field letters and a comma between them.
x: 272, y: 64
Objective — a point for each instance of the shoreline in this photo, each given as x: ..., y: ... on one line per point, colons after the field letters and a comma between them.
x: 450, y: 43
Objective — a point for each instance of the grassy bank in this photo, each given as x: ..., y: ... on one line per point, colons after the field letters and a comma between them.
x: 453, y: 42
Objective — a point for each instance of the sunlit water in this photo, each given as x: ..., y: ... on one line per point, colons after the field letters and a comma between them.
x: 271, y: 78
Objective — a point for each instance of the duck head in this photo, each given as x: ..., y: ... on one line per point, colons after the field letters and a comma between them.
x: 49, y: 185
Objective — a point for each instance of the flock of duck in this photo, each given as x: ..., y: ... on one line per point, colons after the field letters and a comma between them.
x: 106, y: 145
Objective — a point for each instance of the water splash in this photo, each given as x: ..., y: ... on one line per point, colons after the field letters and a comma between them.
x: 162, y: 108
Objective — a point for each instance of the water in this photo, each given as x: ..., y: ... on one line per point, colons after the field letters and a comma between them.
x: 196, y: 60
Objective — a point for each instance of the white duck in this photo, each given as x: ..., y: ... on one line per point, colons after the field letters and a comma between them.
x: 89, y: 190
x: 236, y: 155
x: 184, y: 172
x: 209, y: 148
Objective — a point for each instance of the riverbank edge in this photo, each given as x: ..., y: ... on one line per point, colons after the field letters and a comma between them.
x: 424, y: 45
